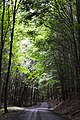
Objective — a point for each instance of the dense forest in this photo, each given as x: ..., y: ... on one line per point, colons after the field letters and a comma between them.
x: 39, y: 51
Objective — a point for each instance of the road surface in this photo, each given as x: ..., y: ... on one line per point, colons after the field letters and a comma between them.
x: 41, y: 112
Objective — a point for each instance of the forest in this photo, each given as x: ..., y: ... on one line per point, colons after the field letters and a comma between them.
x: 39, y: 51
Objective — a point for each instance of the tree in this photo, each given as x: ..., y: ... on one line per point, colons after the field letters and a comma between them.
x: 43, y: 59
x: 10, y: 54
x: 2, y: 44
x: 78, y: 39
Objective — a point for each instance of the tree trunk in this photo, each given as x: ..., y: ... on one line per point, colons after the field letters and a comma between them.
x: 2, y: 45
x: 9, y: 64
x: 78, y: 39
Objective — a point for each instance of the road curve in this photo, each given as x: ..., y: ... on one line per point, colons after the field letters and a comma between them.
x: 41, y: 112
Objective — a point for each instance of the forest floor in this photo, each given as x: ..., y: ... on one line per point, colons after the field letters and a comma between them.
x: 69, y: 108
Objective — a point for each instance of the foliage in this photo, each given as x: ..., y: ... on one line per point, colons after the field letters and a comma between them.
x: 45, y: 50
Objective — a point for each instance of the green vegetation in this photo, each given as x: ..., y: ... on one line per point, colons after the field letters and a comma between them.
x: 39, y: 51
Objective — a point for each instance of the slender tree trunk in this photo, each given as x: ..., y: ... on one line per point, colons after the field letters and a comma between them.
x: 9, y: 64
x: 2, y: 45
x: 31, y: 95
x: 76, y: 63
x: 78, y: 39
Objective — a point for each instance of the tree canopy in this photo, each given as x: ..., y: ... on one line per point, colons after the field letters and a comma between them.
x: 39, y: 50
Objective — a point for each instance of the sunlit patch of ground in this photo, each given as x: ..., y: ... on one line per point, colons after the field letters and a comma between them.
x: 10, y: 109
x: 15, y: 108
x: 11, y: 112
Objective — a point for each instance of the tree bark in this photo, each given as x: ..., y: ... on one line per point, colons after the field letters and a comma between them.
x: 2, y: 45
x: 78, y: 39
x: 9, y: 63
